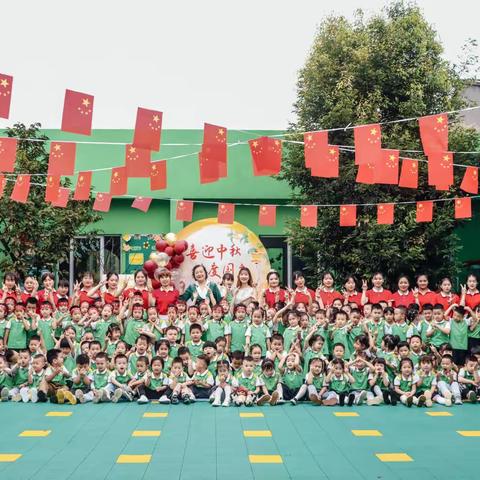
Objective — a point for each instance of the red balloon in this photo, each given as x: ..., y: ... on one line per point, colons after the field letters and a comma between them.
x: 161, y: 245
x: 179, y: 247
x: 169, y: 251
x: 150, y: 266
x: 186, y: 244
x: 156, y: 284
x: 169, y: 265
x: 178, y: 259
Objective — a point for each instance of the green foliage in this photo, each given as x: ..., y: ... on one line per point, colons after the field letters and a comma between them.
x: 383, y: 68
x: 36, y: 235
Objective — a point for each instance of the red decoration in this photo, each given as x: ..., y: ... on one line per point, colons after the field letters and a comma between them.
x: 51, y: 188
x: 102, y: 202
x: 118, y: 181
x: 158, y: 175
x: 366, y: 173
x: 6, y: 83
x: 150, y: 266
x: 424, y: 211
x: 178, y: 259
x: 385, y: 213
x: 185, y: 243
x: 3, y: 183
x: 21, y: 189
x: 161, y: 245
x: 184, y: 211
x: 179, y: 247
x: 142, y: 203
x: 463, y: 207
x: 409, y: 174
x: 315, y: 145
x: 327, y: 164
x: 8, y: 153
x: 470, y: 180
x: 386, y: 170
x: 82, y: 190
x: 226, y: 213
x: 308, y: 216
x: 266, y: 155
x: 156, y: 284
x: 348, y: 215
x: 208, y: 165
x: 216, y: 137
x: 148, y: 129
x: 434, y: 133
x: 77, y: 113
x: 61, y: 160
x: 267, y: 215
x: 169, y: 251
x: 62, y: 197
x: 368, y: 144
x: 440, y: 169
x: 137, y: 161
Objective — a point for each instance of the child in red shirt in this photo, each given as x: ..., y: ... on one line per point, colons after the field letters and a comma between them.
x: 424, y: 294
x: 445, y: 296
x: 326, y: 293
x: 470, y: 294
x: 302, y: 294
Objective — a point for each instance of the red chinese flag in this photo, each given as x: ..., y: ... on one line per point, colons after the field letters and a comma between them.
x: 8, y: 154
x: 208, y: 165
x: 148, y: 129
x: 51, y: 188
x: 442, y: 188
x: 327, y: 164
x: 308, y: 216
x: 366, y: 173
x: 21, y: 189
x: 385, y: 213
x: 368, y: 144
x: 77, y: 113
x: 463, y: 207
x: 409, y: 173
x: 61, y: 160
x: 102, y: 202
x: 386, y: 170
x: 137, y: 161
x: 118, y: 181
x: 226, y: 213
x: 158, y: 175
x: 434, y: 133
x: 440, y: 169
x: 3, y: 183
x: 184, y: 210
x: 348, y: 215
x: 142, y: 203
x: 216, y: 137
x: 470, y: 180
x: 424, y: 211
x: 315, y: 145
x: 6, y: 83
x: 266, y: 156
x: 62, y: 197
x: 267, y: 215
x: 82, y: 190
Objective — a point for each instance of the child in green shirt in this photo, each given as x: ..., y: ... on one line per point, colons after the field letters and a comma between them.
x: 100, y: 376
x: 337, y: 382
x: 257, y: 332
x: 16, y: 329
x: 56, y: 377
x: 19, y: 374
x: 248, y: 384
x: 119, y: 379
x: 291, y: 379
x: 82, y: 379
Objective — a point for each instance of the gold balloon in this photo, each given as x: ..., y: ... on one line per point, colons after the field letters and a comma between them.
x: 162, y: 259
x: 171, y: 238
x: 155, y: 256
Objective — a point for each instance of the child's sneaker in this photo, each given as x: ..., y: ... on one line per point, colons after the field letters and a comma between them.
x: 362, y: 397
x: 448, y: 402
x: 386, y: 397
x: 293, y: 401
x: 226, y: 403
x: 79, y: 395
x: 342, y: 400
x: 186, y: 399
x: 105, y: 397
x: 97, y: 396
x: 192, y: 398
x: 211, y: 399
x: 458, y: 401
x: 274, y: 398
x: 428, y: 402
x: 34, y: 395
x: 142, y: 400
x: 60, y: 395
x: 448, y: 395
x: 164, y: 399
x: 330, y: 402
x: 421, y: 401
x: 393, y: 399
x: 216, y: 402
x: 248, y: 402
x: 4, y: 394
x: 374, y: 401
x: 127, y: 395
x: 17, y: 398
x: 472, y: 397
x: 25, y: 394
x: 175, y: 400
x: 42, y: 396
x: 351, y: 399
x: 70, y: 397
x: 409, y: 401
x: 315, y: 399
x: 117, y: 395
x: 263, y: 400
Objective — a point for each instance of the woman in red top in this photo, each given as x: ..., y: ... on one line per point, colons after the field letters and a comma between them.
x: 326, y: 293
x: 85, y: 286
x: 141, y: 285
x: 470, y: 294
x: 377, y: 293
x: 403, y: 297
x: 167, y: 294
x: 10, y: 288
x: 48, y: 294
x: 424, y: 294
x: 445, y: 296
x: 350, y: 293
x: 30, y: 287
x: 274, y: 293
x: 112, y: 290
x: 302, y: 294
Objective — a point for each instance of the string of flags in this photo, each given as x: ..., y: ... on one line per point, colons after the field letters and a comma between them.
x: 375, y: 165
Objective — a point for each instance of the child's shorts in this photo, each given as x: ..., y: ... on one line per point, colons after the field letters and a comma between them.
x: 201, y: 392
x: 288, y: 393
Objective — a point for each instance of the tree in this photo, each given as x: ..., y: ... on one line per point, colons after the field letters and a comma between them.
x: 373, y: 70
x: 36, y: 235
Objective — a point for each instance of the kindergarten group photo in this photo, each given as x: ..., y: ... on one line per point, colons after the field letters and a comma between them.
x: 240, y: 241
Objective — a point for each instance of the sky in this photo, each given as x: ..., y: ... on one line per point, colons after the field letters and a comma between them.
x: 225, y: 62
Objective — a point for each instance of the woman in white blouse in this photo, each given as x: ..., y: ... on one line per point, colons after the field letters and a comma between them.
x: 245, y: 291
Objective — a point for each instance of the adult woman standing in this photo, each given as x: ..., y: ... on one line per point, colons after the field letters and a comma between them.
x: 350, y: 293
x: 245, y: 291
x: 422, y: 292
x: 201, y: 289
x: 274, y: 293
x: 111, y: 292
x: 326, y: 293
x: 403, y: 297
x: 141, y: 285
x: 377, y: 293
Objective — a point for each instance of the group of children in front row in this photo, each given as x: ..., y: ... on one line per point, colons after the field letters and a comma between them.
x: 292, y: 353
